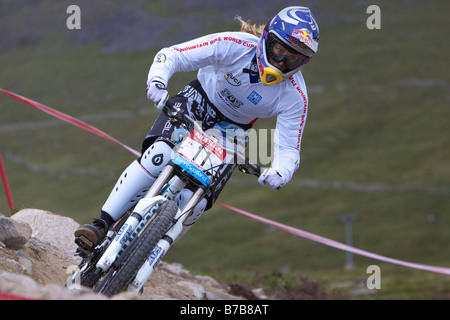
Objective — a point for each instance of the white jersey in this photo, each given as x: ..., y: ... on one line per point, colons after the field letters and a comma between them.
x: 220, y: 59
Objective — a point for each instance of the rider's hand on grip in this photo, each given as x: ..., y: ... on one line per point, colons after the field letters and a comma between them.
x: 272, y: 178
x: 157, y: 92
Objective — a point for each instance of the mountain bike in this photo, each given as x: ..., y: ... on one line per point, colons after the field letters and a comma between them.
x: 135, y: 245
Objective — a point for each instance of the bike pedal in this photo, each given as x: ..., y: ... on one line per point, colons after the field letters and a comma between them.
x: 84, y: 243
x: 80, y: 253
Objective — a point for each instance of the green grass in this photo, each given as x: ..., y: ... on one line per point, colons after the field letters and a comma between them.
x: 378, y: 115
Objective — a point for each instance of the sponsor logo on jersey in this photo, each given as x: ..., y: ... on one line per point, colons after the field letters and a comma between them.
x: 161, y: 58
x: 232, y: 80
x: 254, y: 97
x: 229, y: 99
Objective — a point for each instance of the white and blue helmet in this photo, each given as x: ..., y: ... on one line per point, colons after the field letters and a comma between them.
x: 296, y: 30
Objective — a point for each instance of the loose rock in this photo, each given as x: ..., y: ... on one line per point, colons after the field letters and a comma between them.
x: 40, y: 267
x: 14, y: 234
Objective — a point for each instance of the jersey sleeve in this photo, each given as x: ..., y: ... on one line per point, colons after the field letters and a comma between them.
x: 192, y: 55
x: 287, y: 143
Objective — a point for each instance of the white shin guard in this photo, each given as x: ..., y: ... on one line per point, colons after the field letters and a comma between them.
x: 137, y: 178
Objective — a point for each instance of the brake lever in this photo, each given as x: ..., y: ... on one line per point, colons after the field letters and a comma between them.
x: 250, y: 168
x: 172, y: 112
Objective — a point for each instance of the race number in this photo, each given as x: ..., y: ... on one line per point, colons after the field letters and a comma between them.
x: 199, y: 155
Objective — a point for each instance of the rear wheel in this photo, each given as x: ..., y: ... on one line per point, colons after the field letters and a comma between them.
x: 124, y: 270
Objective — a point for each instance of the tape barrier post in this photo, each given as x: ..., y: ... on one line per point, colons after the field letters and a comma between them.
x: 6, y: 184
x: 280, y: 226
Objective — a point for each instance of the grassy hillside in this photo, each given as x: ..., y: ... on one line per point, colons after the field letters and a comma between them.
x: 375, y: 146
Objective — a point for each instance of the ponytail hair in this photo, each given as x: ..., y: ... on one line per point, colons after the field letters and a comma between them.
x: 254, y: 29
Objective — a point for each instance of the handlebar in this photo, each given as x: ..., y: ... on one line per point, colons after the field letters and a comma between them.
x: 250, y: 168
x: 177, y: 114
x: 172, y: 111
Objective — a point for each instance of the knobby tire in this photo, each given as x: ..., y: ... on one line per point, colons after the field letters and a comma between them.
x: 117, y: 280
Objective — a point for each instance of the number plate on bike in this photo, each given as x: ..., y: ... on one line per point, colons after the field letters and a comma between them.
x: 198, y: 155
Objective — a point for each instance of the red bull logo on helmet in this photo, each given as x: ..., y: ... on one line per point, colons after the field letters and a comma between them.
x: 303, y: 36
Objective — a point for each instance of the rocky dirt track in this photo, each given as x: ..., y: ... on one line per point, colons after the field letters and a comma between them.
x: 40, y: 267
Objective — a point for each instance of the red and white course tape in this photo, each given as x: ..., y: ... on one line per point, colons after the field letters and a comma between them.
x: 295, y: 231
x: 335, y: 244
x: 68, y: 119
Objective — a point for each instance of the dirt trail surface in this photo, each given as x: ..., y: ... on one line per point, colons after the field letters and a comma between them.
x: 40, y: 267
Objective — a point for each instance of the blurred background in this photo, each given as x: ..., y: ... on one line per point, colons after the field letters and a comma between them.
x: 375, y: 149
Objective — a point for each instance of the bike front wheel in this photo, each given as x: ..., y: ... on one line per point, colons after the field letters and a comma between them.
x: 123, y: 272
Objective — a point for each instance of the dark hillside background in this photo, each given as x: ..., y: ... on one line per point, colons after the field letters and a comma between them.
x: 376, y: 145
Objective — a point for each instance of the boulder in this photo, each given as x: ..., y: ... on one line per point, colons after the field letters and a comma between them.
x: 49, y: 228
x: 14, y: 234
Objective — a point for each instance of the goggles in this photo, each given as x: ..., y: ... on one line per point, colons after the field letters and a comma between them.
x: 280, y: 52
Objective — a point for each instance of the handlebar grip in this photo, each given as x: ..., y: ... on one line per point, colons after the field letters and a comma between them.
x: 256, y: 169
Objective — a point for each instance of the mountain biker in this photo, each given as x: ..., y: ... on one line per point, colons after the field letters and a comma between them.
x: 242, y: 76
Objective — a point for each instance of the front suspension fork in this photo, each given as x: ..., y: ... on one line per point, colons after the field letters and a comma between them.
x: 164, y: 244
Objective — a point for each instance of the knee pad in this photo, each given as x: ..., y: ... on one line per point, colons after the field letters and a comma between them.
x: 137, y: 178
x: 155, y: 158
